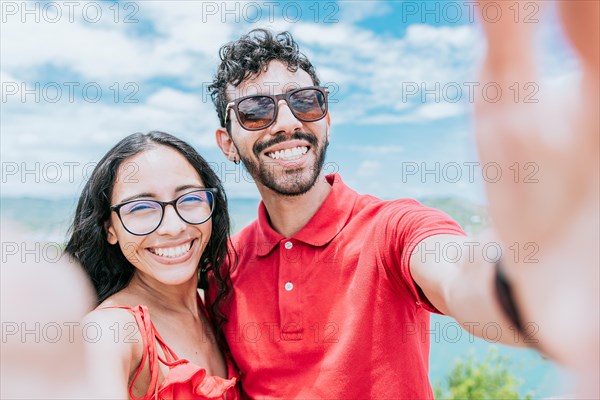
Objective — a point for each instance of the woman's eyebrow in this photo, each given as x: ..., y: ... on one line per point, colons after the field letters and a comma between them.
x: 193, y: 186
x: 153, y: 195
x: 137, y: 196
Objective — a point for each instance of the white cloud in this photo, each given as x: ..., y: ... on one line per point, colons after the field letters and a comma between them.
x: 369, y: 168
x: 80, y: 132
x: 354, y: 11
x: 109, y: 51
x: 421, y: 35
x: 7, y: 78
x: 378, y: 150
x: 374, y: 72
x: 178, y: 42
x: 435, y: 111
x: 424, y: 113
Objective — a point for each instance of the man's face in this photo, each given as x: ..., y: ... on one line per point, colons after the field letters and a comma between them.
x: 286, y: 157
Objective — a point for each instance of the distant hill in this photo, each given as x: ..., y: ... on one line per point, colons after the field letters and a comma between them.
x: 472, y: 217
x: 50, y: 218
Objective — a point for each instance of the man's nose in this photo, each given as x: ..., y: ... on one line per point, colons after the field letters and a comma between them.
x: 286, y: 121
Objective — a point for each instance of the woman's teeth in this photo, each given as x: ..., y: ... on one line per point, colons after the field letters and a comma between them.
x: 288, y: 153
x: 171, y: 252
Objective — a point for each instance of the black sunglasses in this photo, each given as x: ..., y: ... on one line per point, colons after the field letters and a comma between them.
x: 259, y: 111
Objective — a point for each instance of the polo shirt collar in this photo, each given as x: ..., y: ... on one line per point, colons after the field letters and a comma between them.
x: 328, y: 221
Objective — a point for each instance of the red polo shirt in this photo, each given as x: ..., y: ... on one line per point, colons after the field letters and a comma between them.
x: 333, y: 312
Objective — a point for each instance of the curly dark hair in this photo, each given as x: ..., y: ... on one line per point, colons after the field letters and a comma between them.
x: 105, y: 264
x: 250, y: 55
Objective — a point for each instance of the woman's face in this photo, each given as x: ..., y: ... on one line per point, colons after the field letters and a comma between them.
x: 170, y: 254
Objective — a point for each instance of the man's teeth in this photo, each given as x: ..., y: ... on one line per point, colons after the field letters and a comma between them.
x: 172, y: 251
x: 288, y: 153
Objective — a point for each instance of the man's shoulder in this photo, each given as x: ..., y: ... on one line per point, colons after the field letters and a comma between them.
x: 398, y: 213
x: 367, y: 201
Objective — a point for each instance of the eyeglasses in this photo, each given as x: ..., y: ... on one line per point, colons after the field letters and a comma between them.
x: 259, y: 111
x: 142, y: 217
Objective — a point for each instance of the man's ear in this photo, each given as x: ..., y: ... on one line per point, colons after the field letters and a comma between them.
x: 226, y: 144
x: 111, y: 236
x: 328, y: 120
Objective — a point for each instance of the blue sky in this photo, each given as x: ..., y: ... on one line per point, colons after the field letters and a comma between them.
x: 402, y: 74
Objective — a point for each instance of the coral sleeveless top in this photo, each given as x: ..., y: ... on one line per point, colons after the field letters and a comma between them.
x: 184, y: 379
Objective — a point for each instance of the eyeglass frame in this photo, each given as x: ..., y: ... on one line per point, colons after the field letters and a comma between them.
x: 233, y: 105
x: 163, y: 204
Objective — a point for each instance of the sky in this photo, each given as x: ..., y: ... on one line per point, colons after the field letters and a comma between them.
x: 79, y: 76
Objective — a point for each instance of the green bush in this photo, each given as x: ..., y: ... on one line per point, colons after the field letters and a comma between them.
x: 489, y: 379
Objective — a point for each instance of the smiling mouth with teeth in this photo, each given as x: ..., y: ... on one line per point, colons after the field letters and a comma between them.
x: 171, y: 252
x: 288, y: 154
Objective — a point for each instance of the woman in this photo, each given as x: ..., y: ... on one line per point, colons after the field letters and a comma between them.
x: 150, y: 223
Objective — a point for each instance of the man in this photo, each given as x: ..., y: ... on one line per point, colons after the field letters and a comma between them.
x: 332, y: 291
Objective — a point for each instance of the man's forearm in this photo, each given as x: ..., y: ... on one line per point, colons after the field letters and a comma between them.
x: 459, y: 280
x: 472, y: 297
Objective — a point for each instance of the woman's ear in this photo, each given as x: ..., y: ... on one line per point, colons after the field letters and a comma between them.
x: 111, y: 236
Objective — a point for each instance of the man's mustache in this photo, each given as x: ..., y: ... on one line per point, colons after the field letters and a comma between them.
x: 259, y: 147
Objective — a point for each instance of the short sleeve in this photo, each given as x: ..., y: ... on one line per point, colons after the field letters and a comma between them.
x: 406, y: 223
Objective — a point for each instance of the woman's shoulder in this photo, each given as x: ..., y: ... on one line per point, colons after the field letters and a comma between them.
x: 121, y: 299
x: 110, y: 317
x: 116, y: 322
x: 114, y: 342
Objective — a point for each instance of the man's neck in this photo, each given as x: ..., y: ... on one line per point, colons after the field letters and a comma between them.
x: 289, y: 214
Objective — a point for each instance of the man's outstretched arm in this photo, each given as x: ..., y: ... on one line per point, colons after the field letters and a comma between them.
x: 457, y: 274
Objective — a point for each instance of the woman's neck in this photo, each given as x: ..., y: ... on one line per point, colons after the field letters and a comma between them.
x: 170, y: 298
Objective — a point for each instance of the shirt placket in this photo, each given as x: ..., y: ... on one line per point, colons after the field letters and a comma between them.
x: 290, y: 310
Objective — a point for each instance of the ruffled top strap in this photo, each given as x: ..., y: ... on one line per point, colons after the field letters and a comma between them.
x: 150, y: 354
x: 184, y: 380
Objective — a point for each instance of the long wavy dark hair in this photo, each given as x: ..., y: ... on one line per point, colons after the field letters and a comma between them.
x: 106, y: 265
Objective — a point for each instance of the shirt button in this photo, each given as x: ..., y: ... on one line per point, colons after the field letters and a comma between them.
x: 288, y: 285
x: 288, y: 245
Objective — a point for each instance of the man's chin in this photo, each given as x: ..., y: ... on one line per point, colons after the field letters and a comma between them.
x: 290, y: 192
x: 290, y: 185
x: 289, y: 182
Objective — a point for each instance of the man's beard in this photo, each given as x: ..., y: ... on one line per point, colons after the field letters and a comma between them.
x: 294, y: 182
